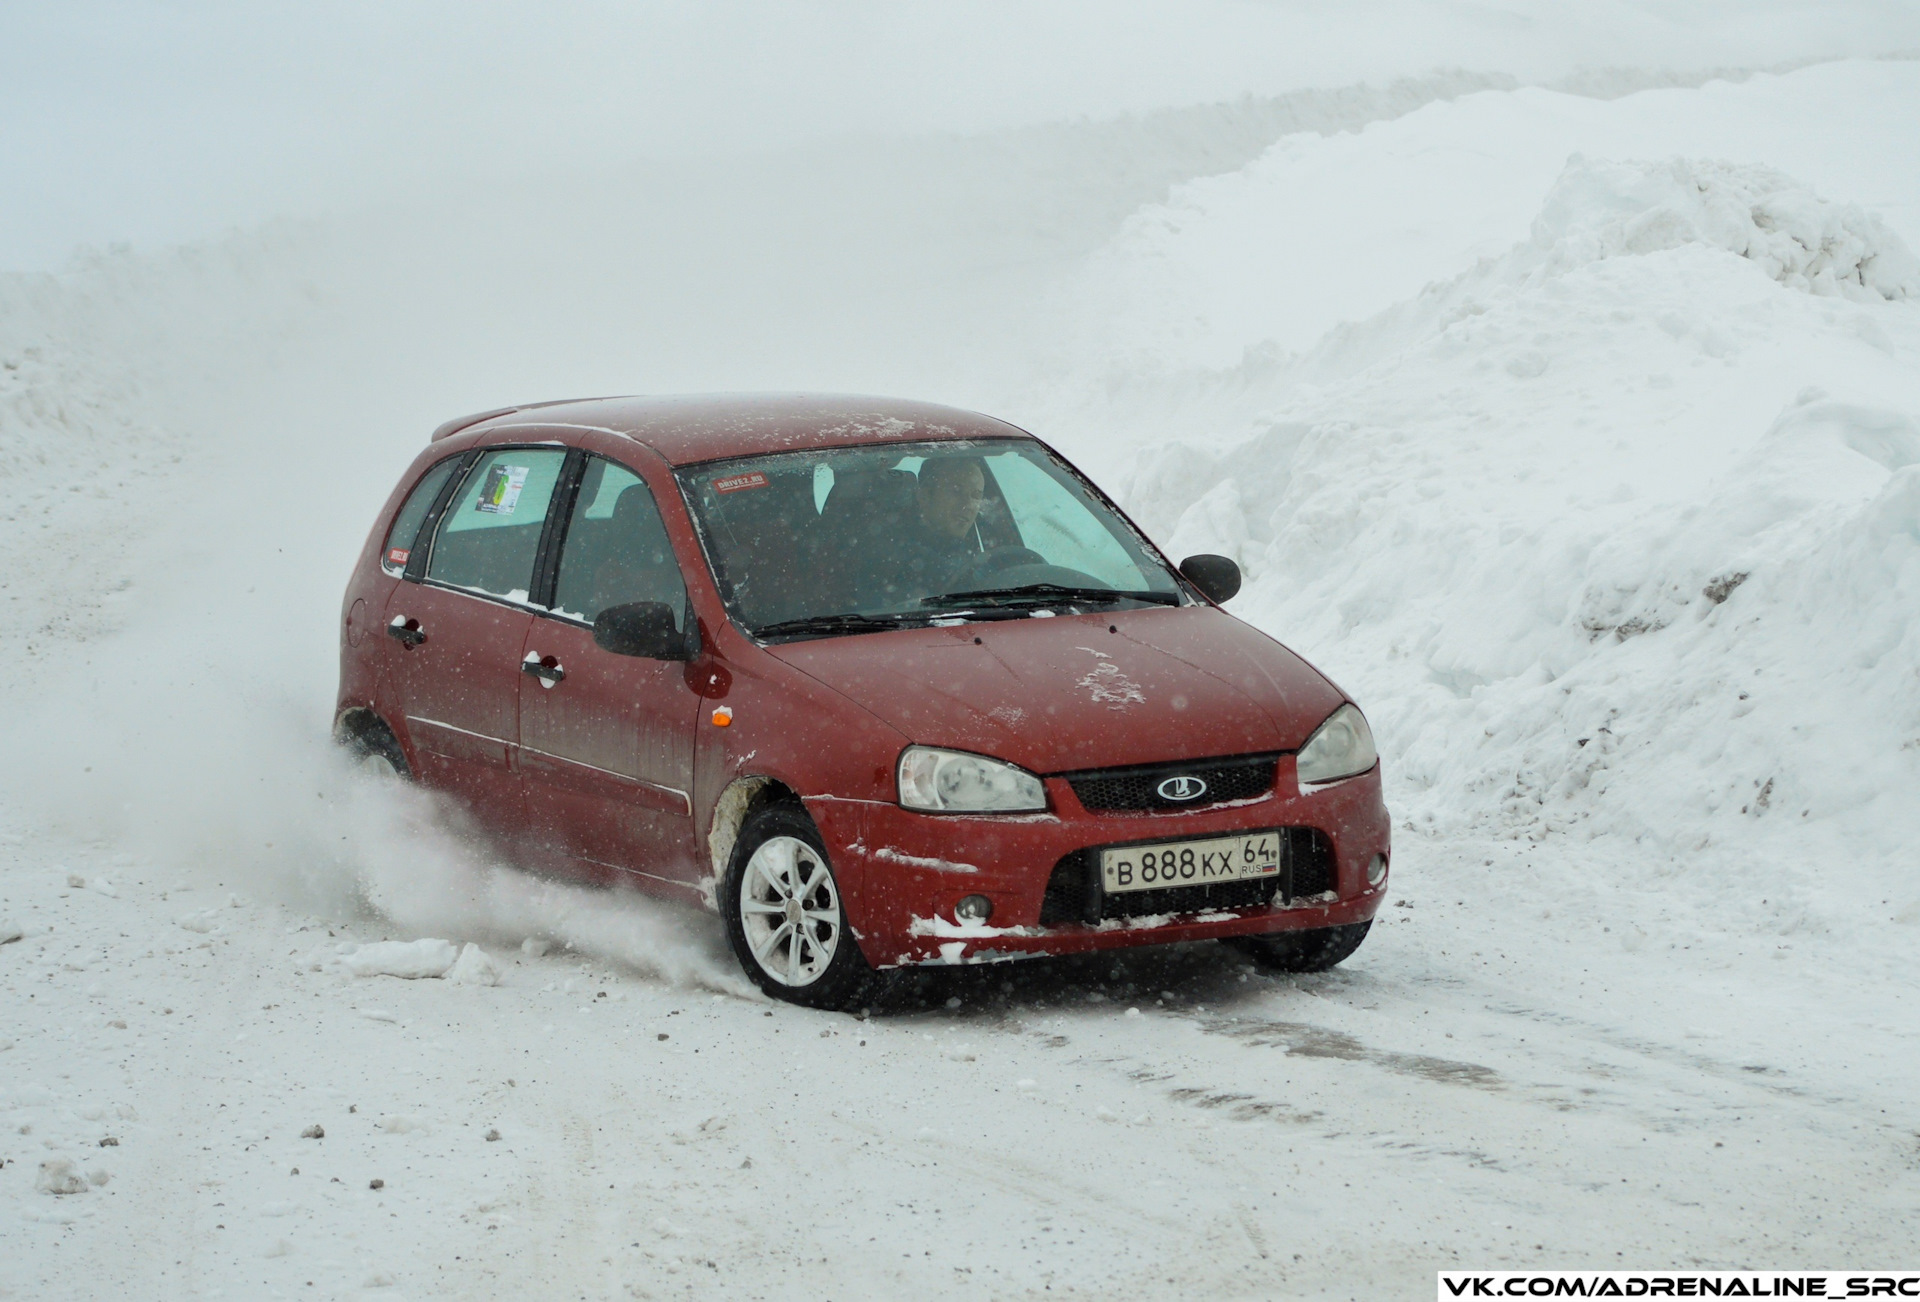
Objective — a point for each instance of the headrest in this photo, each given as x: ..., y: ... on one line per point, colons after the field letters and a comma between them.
x: 634, y: 506
x: 887, y: 491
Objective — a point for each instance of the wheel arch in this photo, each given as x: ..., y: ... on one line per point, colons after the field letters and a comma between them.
x: 355, y: 722
x: 743, y: 795
x: 362, y: 728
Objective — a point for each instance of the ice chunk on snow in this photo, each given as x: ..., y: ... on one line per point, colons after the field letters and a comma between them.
x: 57, y: 1176
x: 474, y: 968
x: 411, y: 959
x: 9, y: 931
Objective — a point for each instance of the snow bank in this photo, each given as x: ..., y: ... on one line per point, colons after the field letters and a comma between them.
x: 1600, y: 209
x: 1261, y: 262
x: 1614, y: 533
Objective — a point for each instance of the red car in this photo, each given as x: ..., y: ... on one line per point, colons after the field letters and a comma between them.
x: 882, y: 682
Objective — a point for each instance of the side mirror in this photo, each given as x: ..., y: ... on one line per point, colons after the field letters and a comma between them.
x: 641, y: 628
x: 1217, y: 577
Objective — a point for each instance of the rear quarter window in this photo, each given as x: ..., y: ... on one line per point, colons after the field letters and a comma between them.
x: 405, y: 533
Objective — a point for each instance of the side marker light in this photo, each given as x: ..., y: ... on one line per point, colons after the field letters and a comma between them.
x: 723, y: 716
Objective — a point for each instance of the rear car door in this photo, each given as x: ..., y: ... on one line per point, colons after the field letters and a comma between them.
x: 606, y: 741
x: 461, y: 619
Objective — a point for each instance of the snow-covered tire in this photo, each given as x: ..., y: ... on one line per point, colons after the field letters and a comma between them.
x: 784, y: 916
x: 372, y: 746
x: 1303, y: 951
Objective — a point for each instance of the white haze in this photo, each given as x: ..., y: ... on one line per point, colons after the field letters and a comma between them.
x: 148, y: 122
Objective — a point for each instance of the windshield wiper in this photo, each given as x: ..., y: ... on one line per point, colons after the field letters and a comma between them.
x: 844, y: 622
x: 1047, y: 594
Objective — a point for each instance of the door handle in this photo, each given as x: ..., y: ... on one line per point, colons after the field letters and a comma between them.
x: 407, y: 631
x: 546, y: 668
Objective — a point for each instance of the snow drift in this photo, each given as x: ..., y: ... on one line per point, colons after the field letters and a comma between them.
x: 1599, y: 210
x: 1614, y: 533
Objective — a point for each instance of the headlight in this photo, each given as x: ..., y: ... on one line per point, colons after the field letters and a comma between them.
x: 951, y: 781
x: 1339, y: 748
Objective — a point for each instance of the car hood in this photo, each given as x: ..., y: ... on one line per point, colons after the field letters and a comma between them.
x: 1081, y: 691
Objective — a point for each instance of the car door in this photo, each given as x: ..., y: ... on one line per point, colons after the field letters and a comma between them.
x: 606, y: 741
x: 461, y: 619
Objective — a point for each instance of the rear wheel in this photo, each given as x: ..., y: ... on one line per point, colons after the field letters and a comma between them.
x: 371, y: 745
x: 784, y: 916
x: 1303, y: 951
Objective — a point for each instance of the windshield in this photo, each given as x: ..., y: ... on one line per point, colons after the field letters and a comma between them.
x: 809, y: 544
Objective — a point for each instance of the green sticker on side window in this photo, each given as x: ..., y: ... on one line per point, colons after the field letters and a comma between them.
x: 501, y: 492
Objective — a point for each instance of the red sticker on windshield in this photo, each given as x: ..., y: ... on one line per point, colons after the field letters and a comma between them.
x: 397, y: 555
x: 734, y: 483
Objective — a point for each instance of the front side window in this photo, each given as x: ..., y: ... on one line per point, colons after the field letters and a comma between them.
x: 406, y: 525
x: 852, y: 539
x: 616, y: 549
x: 490, y: 533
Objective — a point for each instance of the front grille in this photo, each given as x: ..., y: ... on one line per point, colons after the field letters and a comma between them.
x: 1074, y: 894
x: 1241, y: 777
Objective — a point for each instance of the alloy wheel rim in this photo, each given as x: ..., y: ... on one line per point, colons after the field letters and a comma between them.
x: 789, y: 911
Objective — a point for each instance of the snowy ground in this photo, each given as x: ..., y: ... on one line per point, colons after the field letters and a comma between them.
x: 1543, y: 1090
x: 1491, y: 431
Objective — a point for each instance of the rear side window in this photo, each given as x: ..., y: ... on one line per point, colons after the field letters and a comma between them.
x: 406, y: 525
x: 490, y: 534
x: 616, y: 550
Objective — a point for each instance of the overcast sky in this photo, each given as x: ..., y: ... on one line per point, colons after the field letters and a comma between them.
x: 152, y: 121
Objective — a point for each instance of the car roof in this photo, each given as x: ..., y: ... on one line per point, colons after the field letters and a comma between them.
x: 689, y: 428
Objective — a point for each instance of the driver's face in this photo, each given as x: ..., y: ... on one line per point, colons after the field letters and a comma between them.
x: 951, y: 498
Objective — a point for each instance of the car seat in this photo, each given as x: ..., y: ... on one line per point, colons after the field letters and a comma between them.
x: 861, y: 525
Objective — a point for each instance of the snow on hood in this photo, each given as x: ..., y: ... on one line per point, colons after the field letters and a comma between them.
x: 1060, y: 694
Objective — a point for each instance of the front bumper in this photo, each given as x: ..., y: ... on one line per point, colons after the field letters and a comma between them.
x: 901, y: 872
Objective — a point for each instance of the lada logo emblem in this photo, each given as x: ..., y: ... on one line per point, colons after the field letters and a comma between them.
x: 1184, y: 787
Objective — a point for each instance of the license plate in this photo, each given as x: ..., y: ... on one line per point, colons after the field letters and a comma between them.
x: 1189, y: 863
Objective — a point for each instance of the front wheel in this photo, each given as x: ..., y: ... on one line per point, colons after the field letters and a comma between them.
x: 784, y: 916
x: 1303, y: 951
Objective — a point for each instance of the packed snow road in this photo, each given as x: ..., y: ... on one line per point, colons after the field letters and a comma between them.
x: 1481, y: 1085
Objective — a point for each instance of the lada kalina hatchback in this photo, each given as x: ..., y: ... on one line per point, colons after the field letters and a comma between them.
x: 884, y: 683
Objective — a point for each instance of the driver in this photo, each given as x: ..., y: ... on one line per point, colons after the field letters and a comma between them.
x: 938, y: 539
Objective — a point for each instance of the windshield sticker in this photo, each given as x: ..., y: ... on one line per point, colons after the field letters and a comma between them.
x: 397, y: 555
x: 734, y: 483
x: 501, y: 493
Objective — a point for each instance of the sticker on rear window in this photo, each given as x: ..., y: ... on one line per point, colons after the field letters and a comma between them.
x: 397, y: 555
x: 734, y: 483
x: 501, y: 493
